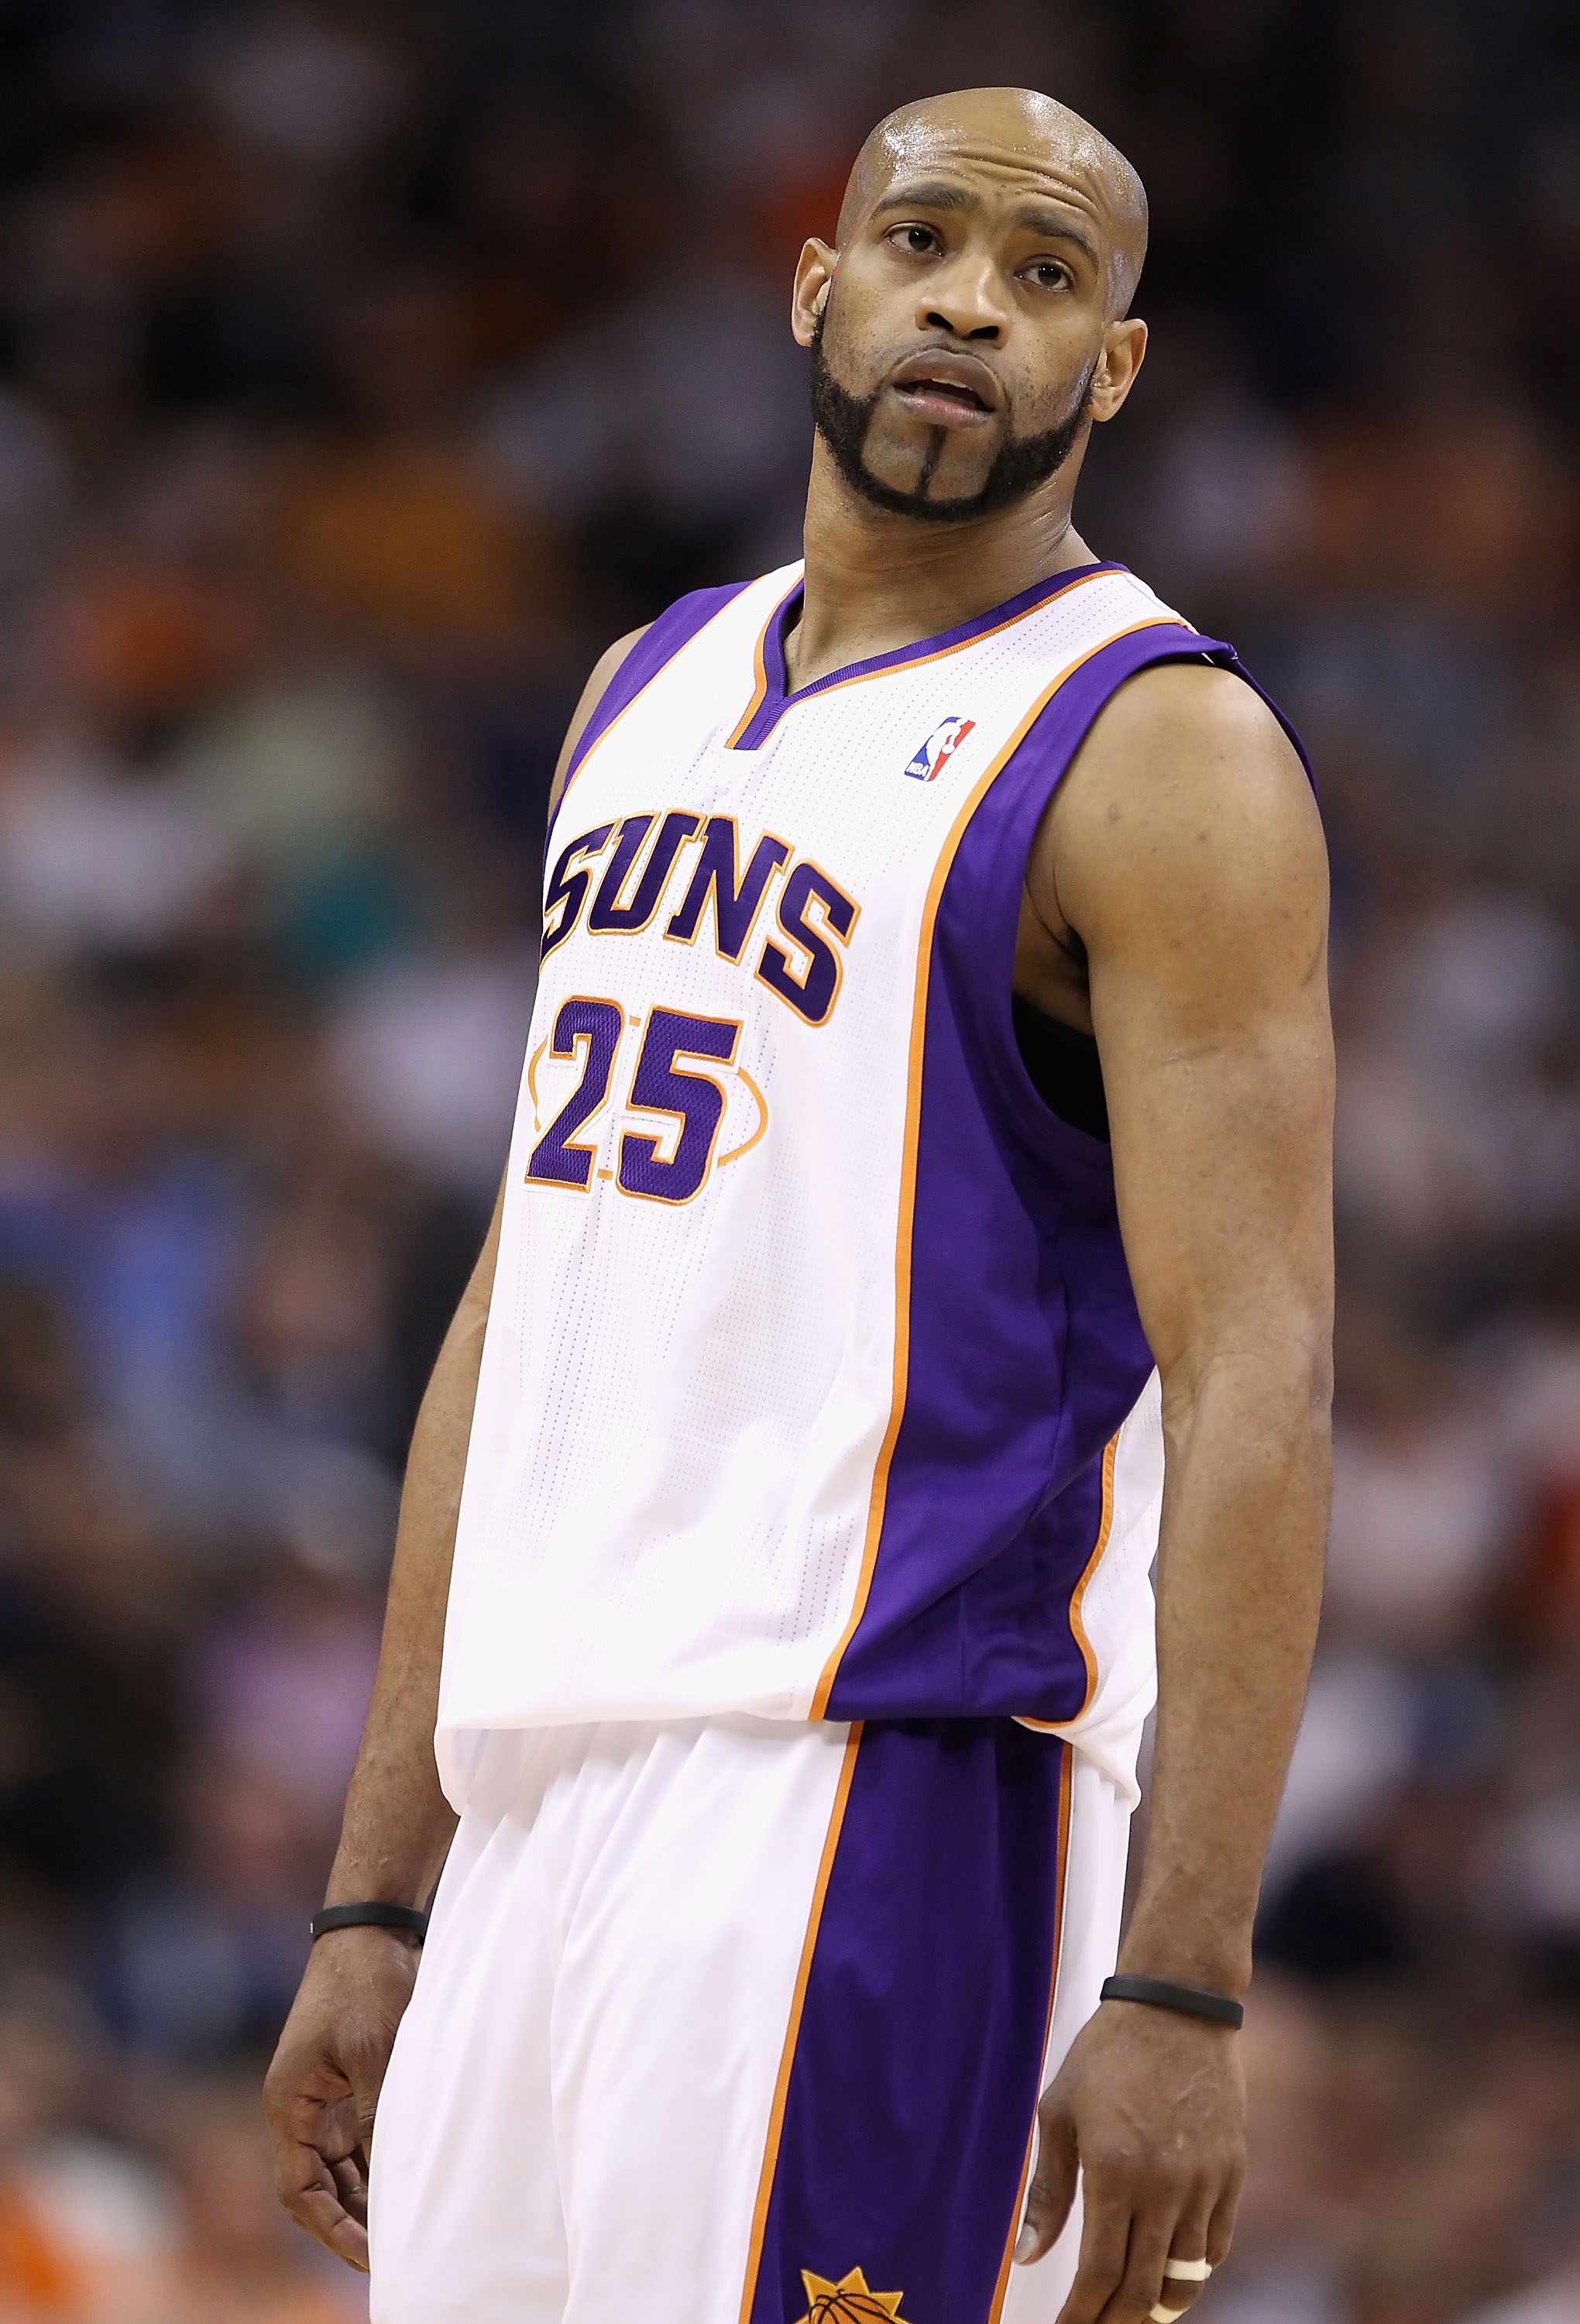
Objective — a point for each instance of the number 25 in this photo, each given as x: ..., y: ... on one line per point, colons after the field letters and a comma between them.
x: 593, y: 1028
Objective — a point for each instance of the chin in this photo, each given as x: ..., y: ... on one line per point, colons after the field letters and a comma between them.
x: 902, y: 467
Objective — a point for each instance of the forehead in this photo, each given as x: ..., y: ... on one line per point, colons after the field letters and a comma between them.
x: 1061, y: 159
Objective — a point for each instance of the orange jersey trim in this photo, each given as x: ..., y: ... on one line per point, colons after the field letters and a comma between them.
x: 1078, y: 1599
x: 759, y: 2215
x: 887, y: 665
x: 941, y: 872
x: 761, y: 666
x: 587, y: 755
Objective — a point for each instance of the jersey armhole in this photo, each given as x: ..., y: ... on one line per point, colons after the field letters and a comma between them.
x: 1009, y: 821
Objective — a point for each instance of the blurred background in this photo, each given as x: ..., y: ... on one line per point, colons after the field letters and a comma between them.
x: 363, y: 370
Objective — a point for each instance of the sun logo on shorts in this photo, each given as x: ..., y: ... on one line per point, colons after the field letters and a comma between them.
x: 849, y: 2302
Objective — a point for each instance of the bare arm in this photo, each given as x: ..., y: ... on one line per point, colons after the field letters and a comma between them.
x: 1184, y: 849
x: 322, y: 2086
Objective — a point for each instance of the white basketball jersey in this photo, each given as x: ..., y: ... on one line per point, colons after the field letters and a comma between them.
x: 806, y: 1379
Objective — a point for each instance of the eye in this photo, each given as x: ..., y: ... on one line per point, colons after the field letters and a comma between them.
x: 1049, y: 274
x: 915, y: 241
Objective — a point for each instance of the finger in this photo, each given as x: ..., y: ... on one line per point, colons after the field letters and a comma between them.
x: 350, y: 2184
x: 306, y: 2185
x: 1187, y: 2246
x: 1142, y: 2288
x: 1220, y: 2228
x: 1052, y: 2192
x: 1105, y: 2244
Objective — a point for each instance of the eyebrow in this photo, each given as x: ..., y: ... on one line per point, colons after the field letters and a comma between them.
x: 940, y: 194
x: 932, y: 194
x: 1059, y: 229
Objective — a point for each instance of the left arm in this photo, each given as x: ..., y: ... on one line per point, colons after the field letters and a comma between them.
x: 1185, y: 850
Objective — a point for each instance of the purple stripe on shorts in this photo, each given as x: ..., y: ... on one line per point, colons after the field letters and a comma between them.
x: 675, y: 627
x: 1026, y: 1351
x: 919, y: 2053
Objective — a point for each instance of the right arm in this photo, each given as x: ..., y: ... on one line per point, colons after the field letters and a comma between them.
x: 324, y: 2083
x: 322, y: 2086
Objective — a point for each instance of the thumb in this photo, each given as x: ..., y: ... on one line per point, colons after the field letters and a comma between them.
x: 1053, y: 2189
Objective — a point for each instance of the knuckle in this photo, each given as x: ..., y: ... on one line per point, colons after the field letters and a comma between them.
x: 1139, y: 2290
x: 279, y: 2082
x: 1095, y: 2280
x: 1101, y: 2262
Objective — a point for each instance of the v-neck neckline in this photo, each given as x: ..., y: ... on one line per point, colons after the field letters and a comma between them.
x: 772, y: 695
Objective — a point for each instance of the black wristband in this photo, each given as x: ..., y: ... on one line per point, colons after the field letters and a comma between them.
x: 1188, y: 2000
x: 369, y: 1916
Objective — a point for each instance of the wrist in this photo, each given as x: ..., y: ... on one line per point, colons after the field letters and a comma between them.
x: 405, y: 1878
x: 408, y: 1897
x: 364, y: 1937
x: 1216, y: 2009
x: 1210, y: 1963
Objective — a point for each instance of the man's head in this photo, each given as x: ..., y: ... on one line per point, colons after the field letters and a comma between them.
x: 974, y: 316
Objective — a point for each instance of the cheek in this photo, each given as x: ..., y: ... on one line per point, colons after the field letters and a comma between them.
x: 1054, y: 375
x: 850, y: 348
x: 869, y: 322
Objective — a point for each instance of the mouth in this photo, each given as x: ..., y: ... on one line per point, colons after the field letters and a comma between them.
x: 948, y: 390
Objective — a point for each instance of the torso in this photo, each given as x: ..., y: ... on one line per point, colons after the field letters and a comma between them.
x: 773, y: 1079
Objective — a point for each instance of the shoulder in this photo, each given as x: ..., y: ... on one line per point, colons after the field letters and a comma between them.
x: 605, y: 671
x: 674, y: 626
x: 1185, y: 779
x: 1174, y: 720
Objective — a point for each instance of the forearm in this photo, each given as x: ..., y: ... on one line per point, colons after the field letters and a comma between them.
x: 1239, y: 1585
x: 397, y: 1824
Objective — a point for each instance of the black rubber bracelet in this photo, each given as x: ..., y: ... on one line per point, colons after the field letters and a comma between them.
x: 1158, y: 1994
x: 369, y: 1916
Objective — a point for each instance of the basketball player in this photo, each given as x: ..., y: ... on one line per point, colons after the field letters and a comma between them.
x: 921, y: 1177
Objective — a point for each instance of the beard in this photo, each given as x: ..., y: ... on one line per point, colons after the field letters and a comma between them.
x: 1019, y: 466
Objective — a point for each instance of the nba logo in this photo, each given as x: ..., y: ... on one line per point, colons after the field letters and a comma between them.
x: 939, y: 748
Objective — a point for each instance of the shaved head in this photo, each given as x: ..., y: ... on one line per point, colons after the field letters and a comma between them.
x: 973, y: 324
x: 1016, y: 125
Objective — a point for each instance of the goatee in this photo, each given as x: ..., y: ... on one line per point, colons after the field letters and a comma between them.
x: 1020, y: 464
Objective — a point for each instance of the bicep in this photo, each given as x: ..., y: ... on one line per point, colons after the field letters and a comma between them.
x: 1194, y: 870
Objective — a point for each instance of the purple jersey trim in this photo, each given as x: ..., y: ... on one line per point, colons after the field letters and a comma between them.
x: 1230, y: 659
x: 659, y: 643
x: 777, y: 698
x: 917, y: 2059
x: 1026, y: 1349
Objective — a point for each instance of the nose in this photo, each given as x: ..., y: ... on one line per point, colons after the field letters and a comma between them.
x: 965, y: 300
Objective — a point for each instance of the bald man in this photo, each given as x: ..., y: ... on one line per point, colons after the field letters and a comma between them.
x: 920, y: 1182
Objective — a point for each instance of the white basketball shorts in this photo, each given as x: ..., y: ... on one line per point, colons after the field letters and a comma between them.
x: 744, y: 2021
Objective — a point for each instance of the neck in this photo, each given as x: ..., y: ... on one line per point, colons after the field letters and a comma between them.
x: 876, y: 581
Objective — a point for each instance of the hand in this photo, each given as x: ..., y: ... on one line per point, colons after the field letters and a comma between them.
x: 1150, y: 2106
x: 322, y: 2086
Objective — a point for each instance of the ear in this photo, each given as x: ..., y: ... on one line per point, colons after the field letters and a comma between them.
x: 815, y: 274
x: 1124, y: 350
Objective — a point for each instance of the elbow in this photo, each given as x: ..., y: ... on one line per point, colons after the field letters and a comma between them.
x: 1284, y: 1377
x: 1315, y: 1371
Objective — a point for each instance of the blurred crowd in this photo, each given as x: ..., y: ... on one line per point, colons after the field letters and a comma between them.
x: 364, y: 368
